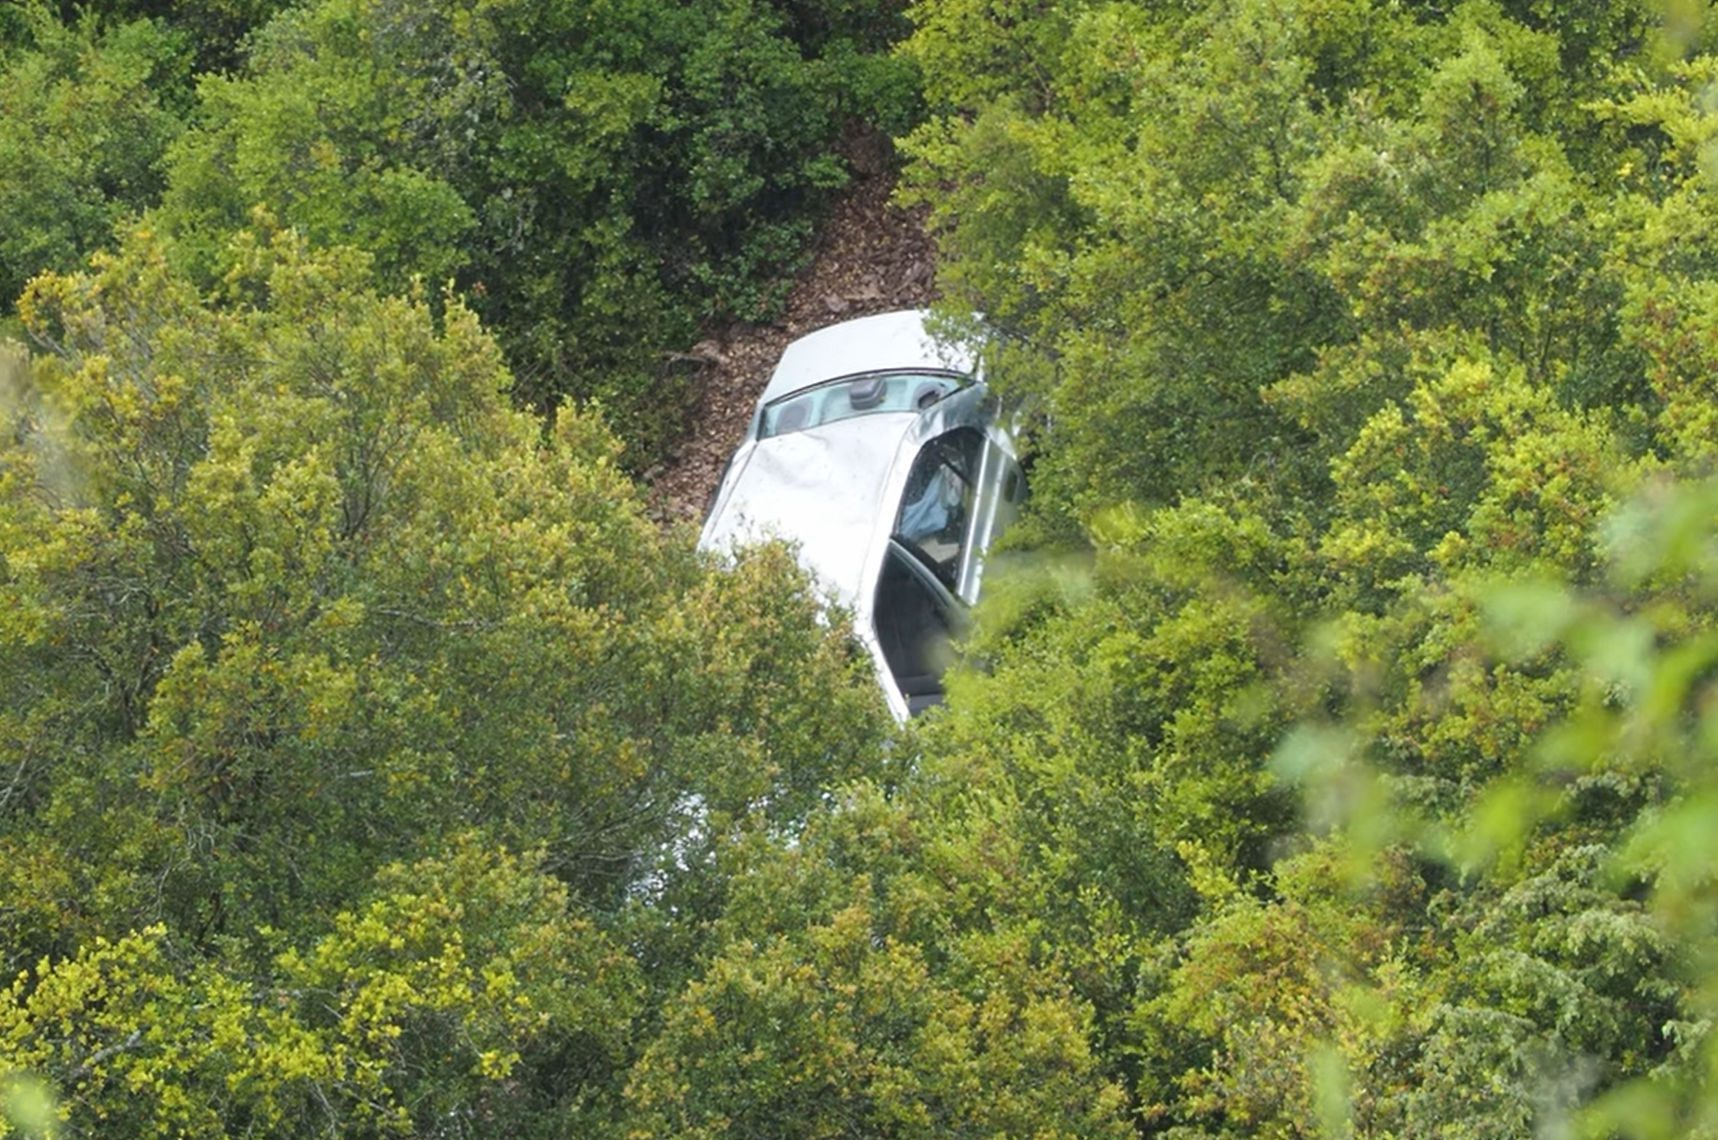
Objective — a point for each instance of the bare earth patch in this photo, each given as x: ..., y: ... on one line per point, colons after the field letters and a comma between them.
x: 870, y: 257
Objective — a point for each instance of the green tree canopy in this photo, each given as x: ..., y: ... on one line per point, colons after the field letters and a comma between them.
x: 292, y: 593
x: 86, y: 114
x: 1334, y: 754
x: 1342, y: 325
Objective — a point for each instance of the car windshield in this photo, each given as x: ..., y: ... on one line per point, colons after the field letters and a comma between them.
x: 856, y: 396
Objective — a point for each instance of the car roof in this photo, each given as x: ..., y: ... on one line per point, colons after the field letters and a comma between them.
x: 885, y: 342
x: 820, y: 488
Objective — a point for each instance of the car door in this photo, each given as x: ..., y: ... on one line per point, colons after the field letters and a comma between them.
x: 998, y: 493
x: 962, y: 492
x: 915, y: 620
x: 934, y: 520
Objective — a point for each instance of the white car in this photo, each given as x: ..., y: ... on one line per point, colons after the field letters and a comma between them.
x: 875, y: 450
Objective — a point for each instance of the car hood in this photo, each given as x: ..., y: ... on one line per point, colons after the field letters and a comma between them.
x: 824, y: 489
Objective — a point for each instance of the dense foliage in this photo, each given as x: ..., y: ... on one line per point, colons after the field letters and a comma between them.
x: 293, y: 597
x: 1344, y: 756
x: 86, y: 114
x: 1393, y: 306
x: 595, y: 178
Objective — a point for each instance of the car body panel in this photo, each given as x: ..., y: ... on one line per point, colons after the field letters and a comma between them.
x: 818, y: 489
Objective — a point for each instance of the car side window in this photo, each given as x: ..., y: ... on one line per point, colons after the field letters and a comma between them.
x: 936, y: 506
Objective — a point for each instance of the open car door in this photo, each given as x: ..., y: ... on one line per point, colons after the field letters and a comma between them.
x: 916, y: 620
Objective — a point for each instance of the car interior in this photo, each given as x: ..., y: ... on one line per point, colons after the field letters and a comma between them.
x: 915, y: 625
x: 857, y: 396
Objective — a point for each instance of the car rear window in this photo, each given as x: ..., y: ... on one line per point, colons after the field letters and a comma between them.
x: 856, y: 396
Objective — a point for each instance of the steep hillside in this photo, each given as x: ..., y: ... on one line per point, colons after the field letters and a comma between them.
x: 870, y: 256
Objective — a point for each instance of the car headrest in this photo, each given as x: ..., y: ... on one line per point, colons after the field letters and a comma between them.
x: 866, y: 394
x: 792, y: 417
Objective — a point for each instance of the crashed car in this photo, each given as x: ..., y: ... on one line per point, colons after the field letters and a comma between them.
x: 876, y: 451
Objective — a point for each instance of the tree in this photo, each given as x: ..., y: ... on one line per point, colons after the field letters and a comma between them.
x: 440, y: 1006
x: 86, y: 113
x: 1335, y: 323
x: 826, y: 1015
x: 291, y: 594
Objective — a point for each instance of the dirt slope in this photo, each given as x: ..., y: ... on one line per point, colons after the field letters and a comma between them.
x: 870, y: 257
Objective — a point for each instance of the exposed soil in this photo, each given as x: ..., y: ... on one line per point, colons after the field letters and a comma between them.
x: 870, y: 257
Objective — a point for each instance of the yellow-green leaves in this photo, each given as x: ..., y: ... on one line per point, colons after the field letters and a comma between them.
x: 327, y: 629
x: 28, y: 1106
x: 422, y: 1003
x: 87, y: 113
x: 846, y: 1030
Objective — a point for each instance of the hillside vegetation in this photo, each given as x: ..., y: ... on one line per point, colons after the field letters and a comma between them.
x: 1337, y: 753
